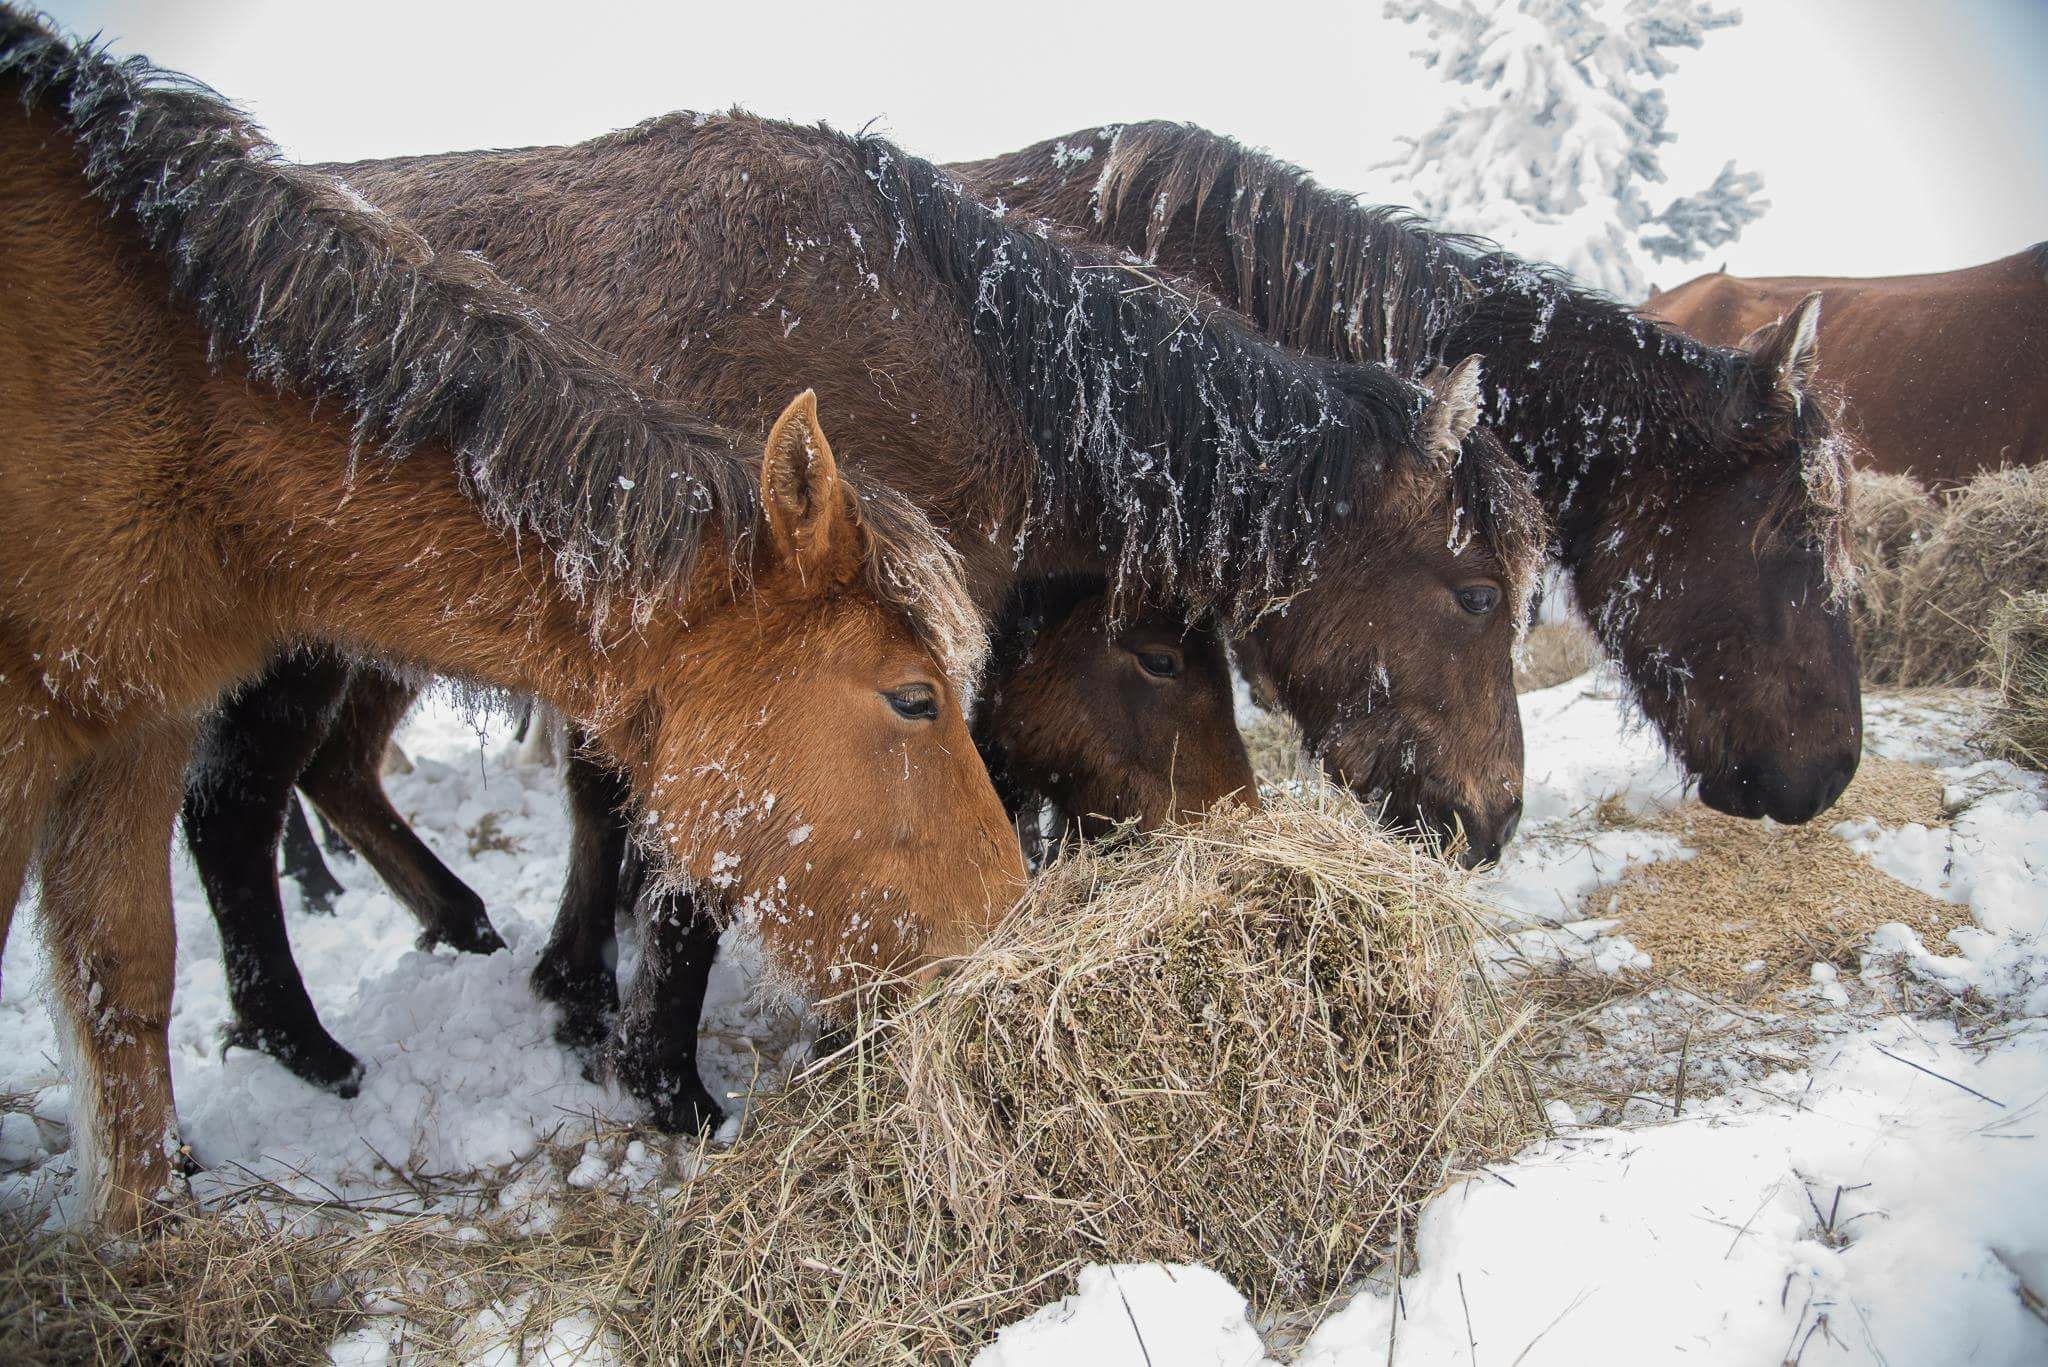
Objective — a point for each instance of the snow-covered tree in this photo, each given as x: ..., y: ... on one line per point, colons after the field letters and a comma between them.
x: 1553, y: 153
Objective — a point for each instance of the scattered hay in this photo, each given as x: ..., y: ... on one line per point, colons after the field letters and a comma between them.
x: 2018, y: 728
x: 1257, y: 1043
x: 1757, y: 905
x: 1553, y: 653
x: 1890, y: 518
x: 1988, y: 544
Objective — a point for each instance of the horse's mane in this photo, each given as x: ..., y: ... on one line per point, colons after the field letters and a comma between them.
x: 1210, y: 458
x: 321, y: 293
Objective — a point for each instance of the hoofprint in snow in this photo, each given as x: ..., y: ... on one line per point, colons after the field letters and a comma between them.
x: 1858, y: 1179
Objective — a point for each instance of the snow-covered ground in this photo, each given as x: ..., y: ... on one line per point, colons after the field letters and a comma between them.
x: 1877, y: 1192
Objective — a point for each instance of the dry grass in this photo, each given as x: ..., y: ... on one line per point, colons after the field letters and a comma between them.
x: 2018, y: 728
x: 1259, y: 1043
x: 1554, y: 652
x: 1931, y: 586
x: 1890, y: 517
x: 1274, y: 743
x: 1757, y: 905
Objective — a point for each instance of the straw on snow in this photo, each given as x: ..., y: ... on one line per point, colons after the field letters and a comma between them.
x: 1257, y: 1043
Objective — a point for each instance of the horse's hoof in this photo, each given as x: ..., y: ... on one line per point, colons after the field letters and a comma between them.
x: 319, y: 901
x: 690, y: 1111
x: 318, y: 1061
x: 471, y: 937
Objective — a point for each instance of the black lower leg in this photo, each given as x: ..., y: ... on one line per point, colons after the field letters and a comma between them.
x: 303, y: 863
x: 654, y: 1050
x: 577, y: 969
x: 249, y: 753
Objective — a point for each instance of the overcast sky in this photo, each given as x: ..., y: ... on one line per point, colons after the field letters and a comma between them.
x: 1893, y: 135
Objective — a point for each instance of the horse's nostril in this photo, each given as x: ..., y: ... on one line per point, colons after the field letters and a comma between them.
x: 1514, y: 823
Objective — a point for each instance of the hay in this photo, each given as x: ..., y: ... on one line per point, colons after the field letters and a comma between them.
x: 1273, y: 742
x: 1553, y: 653
x: 2018, y: 728
x: 1926, y: 620
x: 1890, y: 518
x: 1258, y: 1043
x: 1255, y: 1044
x: 1757, y: 905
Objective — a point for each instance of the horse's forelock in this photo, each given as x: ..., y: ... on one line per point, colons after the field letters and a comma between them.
x: 912, y: 567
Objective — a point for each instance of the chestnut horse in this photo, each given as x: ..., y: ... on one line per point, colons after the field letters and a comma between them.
x: 173, y: 510
x: 1111, y: 722
x: 1942, y: 376
x: 1695, y: 491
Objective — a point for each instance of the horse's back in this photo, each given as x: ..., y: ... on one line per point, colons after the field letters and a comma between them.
x: 1943, y: 375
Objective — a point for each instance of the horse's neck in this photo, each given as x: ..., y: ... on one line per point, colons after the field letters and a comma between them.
x: 394, y: 558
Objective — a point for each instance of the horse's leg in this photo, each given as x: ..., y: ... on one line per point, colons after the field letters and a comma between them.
x: 250, y: 752
x: 106, y: 910
x: 343, y: 779
x: 303, y: 863
x: 654, y: 1052
x: 575, y: 971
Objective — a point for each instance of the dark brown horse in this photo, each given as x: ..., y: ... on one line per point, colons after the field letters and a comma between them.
x: 1055, y: 413
x: 1695, y: 491
x: 1942, y: 376
x: 173, y: 510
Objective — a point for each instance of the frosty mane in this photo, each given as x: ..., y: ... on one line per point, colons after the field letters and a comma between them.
x: 1316, y: 269
x: 323, y: 294
x: 1206, y: 455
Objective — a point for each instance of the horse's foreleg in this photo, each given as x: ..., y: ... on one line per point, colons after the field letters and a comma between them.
x: 250, y: 753
x: 654, y: 1052
x: 576, y: 971
x: 303, y: 863
x: 345, y: 783
x: 106, y: 910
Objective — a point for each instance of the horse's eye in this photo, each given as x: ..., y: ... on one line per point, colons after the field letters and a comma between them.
x: 914, y: 702
x: 1479, y: 599
x: 1160, y: 664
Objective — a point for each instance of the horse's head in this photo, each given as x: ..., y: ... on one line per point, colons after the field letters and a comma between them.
x: 813, y: 767
x: 1397, y: 660
x: 1724, y: 593
x: 1112, y: 721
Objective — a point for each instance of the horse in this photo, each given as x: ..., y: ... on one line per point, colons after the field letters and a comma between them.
x: 1113, y: 722
x: 175, y: 507
x: 1055, y: 415
x: 1696, y: 492
x: 1942, y: 376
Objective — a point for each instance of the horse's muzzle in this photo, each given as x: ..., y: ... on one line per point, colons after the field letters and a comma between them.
x: 1759, y: 788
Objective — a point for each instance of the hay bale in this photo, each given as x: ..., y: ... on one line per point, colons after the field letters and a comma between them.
x: 2018, y: 729
x: 1757, y: 905
x: 1553, y: 653
x: 1990, y: 545
x: 1257, y: 1043
x: 1890, y: 518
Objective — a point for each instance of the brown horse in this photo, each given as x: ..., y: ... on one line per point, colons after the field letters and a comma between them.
x: 1695, y: 491
x: 1055, y: 413
x: 170, y: 516
x: 1942, y: 376
x: 1112, y: 721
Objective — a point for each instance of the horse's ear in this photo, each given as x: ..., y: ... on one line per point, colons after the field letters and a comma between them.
x: 1453, y: 409
x: 812, y: 526
x: 1785, y: 353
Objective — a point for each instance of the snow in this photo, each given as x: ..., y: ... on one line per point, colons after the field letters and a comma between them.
x: 1882, y: 1200
x: 1871, y: 1187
